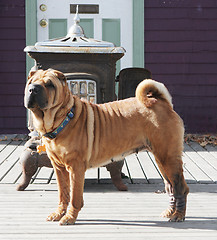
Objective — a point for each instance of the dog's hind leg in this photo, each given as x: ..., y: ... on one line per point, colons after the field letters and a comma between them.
x: 168, y: 188
x: 176, y: 187
x: 180, y: 191
x: 172, y: 202
x: 63, y: 183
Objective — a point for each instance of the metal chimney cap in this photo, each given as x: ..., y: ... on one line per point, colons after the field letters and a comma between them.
x: 75, y: 38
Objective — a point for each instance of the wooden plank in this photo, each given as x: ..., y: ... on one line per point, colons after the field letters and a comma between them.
x: 125, y: 172
x: 13, y: 152
x: 8, y: 137
x: 154, y: 161
x: 149, y: 167
x: 43, y: 176
x: 5, y: 140
x: 206, y: 155
x: 128, y: 171
x: 6, y: 152
x: 138, y: 168
x: 11, y: 165
x: 34, y: 177
x: 186, y: 6
x: 136, y: 172
x: 201, y: 163
x: 53, y: 179
x: 104, y: 175
x: 14, y: 173
x: 3, y: 144
x: 91, y: 173
x: 195, y: 146
x: 11, y: 111
x: 180, y: 24
x: 188, y: 177
x: 195, y: 171
x: 107, y: 214
x: 212, y: 150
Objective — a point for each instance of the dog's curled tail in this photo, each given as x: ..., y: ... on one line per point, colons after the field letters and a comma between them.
x: 149, y: 91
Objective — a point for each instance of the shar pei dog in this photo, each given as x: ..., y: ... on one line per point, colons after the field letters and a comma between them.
x: 79, y: 135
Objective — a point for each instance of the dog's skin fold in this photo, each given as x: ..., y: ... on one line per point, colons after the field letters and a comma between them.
x: 101, y: 132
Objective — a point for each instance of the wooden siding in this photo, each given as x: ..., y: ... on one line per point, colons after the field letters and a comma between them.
x: 12, y: 66
x: 181, y: 51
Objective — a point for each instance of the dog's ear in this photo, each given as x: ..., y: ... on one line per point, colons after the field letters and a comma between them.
x: 31, y: 73
x: 60, y: 76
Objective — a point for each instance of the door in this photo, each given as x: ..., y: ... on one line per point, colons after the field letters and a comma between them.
x: 107, y: 21
x: 120, y: 22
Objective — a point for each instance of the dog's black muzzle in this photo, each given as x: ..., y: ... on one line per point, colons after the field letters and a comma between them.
x: 35, y: 96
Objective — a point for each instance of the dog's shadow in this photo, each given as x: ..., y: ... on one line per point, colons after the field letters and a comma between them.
x: 196, y: 223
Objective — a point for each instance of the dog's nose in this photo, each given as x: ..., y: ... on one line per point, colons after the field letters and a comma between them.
x: 34, y: 88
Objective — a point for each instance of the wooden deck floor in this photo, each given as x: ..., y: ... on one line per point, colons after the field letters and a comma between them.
x: 109, y: 214
x: 200, y: 165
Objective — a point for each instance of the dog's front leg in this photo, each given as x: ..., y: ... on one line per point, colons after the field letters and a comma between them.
x: 77, y: 175
x: 63, y: 183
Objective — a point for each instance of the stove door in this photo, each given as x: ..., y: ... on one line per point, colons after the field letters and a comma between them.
x: 84, y: 89
x: 83, y: 85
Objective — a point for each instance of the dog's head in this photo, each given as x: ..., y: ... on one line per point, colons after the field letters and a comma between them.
x: 44, y: 89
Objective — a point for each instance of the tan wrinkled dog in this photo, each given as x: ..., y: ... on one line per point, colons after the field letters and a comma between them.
x: 99, y: 133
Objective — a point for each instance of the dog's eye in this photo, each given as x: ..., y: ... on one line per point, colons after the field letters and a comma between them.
x: 49, y: 84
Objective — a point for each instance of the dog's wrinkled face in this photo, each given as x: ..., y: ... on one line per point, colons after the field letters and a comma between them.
x: 41, y: 89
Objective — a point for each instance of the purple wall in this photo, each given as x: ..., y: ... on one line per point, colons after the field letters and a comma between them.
x: 12, y: 66
x: 181, y: 51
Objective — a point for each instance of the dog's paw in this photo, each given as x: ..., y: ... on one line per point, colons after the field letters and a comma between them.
x: 168, y: 212
x: 177, y: 217
x: 56, y: 216
x: 67, y: 220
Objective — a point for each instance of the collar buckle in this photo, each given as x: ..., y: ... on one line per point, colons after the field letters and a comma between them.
x: 50, y: 135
